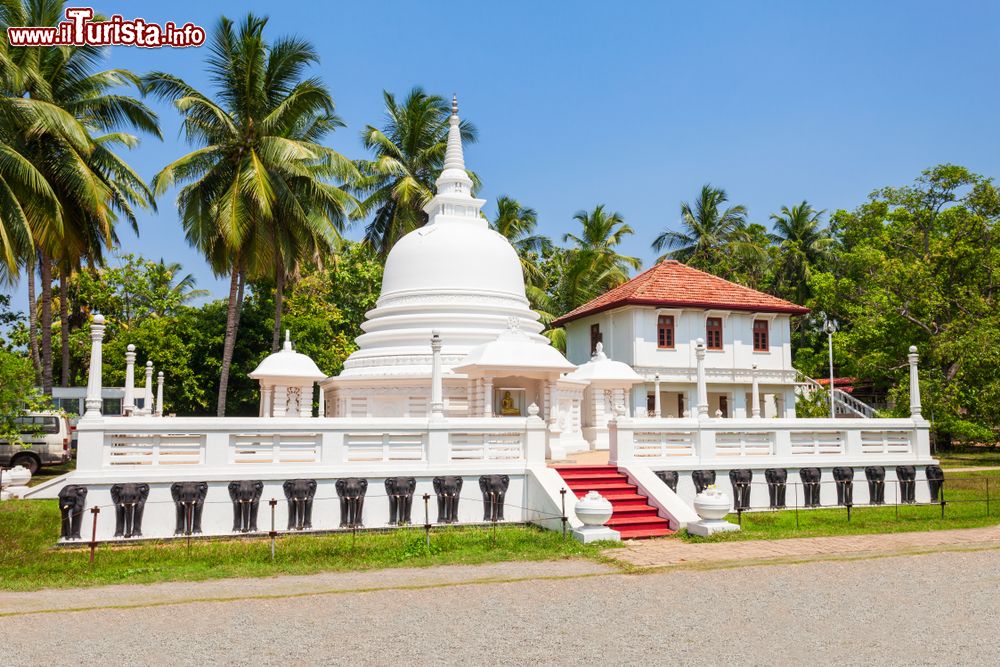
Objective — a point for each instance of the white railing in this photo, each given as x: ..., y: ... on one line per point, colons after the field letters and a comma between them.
x: 333, y: 443
x: 691, y: 443
x: 843, y: 403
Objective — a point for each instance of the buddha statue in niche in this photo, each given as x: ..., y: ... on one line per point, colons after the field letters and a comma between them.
x: 508, y: 408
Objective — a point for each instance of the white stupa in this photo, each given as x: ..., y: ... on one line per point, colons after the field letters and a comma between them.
x: 460, y: 278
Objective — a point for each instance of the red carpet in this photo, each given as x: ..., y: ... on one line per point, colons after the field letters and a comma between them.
x: 632, y: 516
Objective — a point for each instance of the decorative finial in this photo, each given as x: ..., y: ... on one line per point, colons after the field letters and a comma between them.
x: 98, y: 318
x: 130, y: 348
x: 454, y: 105
x: 149, y: 364
x: 288, y: 341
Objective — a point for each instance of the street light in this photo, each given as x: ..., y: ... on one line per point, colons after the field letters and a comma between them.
x: 830, y: 327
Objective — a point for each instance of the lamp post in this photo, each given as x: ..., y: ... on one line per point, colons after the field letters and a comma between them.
x: 830, y: 327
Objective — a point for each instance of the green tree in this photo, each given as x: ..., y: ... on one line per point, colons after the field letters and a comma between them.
x: 408, y: 156
x: 517, y: 224
x: 803, y: 245
x: 256, y: 198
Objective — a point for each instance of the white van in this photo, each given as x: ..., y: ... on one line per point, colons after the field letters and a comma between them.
x: 45, y: 440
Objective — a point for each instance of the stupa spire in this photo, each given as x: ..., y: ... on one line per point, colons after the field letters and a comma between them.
x: 453, y: 156
x: 453, y: 201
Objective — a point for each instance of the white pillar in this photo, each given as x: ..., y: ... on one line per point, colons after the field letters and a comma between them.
x: 280, y: 401
x: 656, y: 396
x: 754, y: 394
x: 128, y: 403
x: 93, y: 401
x: 487, y: 396
x: 321, y: 408
x: 159, y: 394
x: 148, y: 407
x: 699, y: 353
x: 437, y: 386
x: 265, y: 400
x: 913, y: 358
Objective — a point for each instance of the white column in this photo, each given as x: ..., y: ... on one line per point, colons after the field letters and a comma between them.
x: 487, y: 396
x: 321, y: 408
x: 437, y: 386
x: 93, y: 401
x: 280, y: 400
x: 128, y: 403
x: 754, y: 394
x: 699, y: 353
x: 159, y: 394
x: 306, y: 400
x: 913, y: 358
x: 656, y: 396
x: 265, y: 400
x: 148, y: 407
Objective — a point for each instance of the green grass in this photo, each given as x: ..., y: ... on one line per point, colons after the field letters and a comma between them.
x: 968, y: 456
x: 965, y: 495
x: 50, y: 472
x: 29, y: 561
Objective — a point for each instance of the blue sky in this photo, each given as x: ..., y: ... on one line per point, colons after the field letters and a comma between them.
x: 637, y: 104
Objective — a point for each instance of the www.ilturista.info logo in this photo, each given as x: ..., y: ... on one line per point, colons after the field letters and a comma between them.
x: 80, y: 30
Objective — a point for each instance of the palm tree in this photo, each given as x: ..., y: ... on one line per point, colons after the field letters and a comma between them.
x: 256, y: 196
x: 708, y: 230
x: 595, y: 249
x: 803, y: 243
x: 171, y: 289
x: 517, y: 224
x: 408, y: 156
x: 76, y: 153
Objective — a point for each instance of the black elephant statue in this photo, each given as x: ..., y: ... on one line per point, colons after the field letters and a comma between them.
x: 299, y: 493
x: 935, y: 480
x: 494, y: 488
x: 844, y: 478
x: 876, y: 484
x: 189, y: 501
x: 669, y: 478
x: 72, y: 504
x: 702, y: 479
x: 351, y: 491
x: 741, y: 478
x: 447, y: 488
x: 400, y: 491
x: 907, y: 476
x: 810, y: 485
x: 130, y: 501
x: 245, y: 495
x: 777, y: 481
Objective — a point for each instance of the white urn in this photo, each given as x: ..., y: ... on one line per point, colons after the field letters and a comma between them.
x: 16, y: 476
x: 712, y: 504
x: 593, y: 509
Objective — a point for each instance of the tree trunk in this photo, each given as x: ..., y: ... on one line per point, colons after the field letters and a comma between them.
x: 46, y: 322
x: 232, y: 323
x: 64, y: 326
x: 36, y: 360
x: 279, y: 304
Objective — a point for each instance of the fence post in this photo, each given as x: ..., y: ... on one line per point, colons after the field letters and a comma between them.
x: 897, y: 500
x: 95, y: 510
x: 987, y: 495
x: 427, y: 519
x: 795, y: 488
x: 190, y: 511
x: 562, y: 497
x: 273, y: 503
x: 942, y: 499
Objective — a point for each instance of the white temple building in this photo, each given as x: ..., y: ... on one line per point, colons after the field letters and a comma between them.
x: 455, y: 393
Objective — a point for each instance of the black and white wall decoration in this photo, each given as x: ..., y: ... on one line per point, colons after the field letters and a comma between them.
x: 245, y: 495
x: 189, y: 502
x: 400, y: 493
x: 935, y: 480
x: 702, y: 479
x: 669, y: 478
x: 72, y: 504
x: 130, y: 501
x: 351, y: 491
x: 777, y: 481
x: 844, y: 478
x: 876, y: 484
x: 811, y: 485
x: 300, y: 493
x: 741, y: 479
x: 448, y: 488
x: 494, y: 489
x: 907, y: 476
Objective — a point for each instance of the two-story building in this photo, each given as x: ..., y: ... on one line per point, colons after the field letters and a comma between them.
x: 653, y: 321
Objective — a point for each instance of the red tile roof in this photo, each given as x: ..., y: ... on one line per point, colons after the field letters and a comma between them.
x: 672, y: 284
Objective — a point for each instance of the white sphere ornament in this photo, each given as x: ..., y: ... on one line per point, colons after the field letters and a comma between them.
x: 16, y: 476
x: 593, y: 511
x: 712, y: 505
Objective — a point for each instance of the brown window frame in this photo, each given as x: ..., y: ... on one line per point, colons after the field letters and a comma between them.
x: 713, y: 342
x: 595, y: 336
x: 761, y: 336
x: 665, y: 338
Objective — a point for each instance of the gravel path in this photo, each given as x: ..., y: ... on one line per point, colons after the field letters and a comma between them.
x: 933, y: 609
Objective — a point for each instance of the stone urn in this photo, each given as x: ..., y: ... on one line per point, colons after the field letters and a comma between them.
x: 712, y: 504
x: 15, y: 482
x: 593, y: 511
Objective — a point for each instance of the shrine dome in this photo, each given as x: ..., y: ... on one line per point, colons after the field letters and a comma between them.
x: 454, y: 275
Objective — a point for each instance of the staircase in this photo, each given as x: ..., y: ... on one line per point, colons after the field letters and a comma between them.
x: 844, y: 405
x: 632, y: 515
